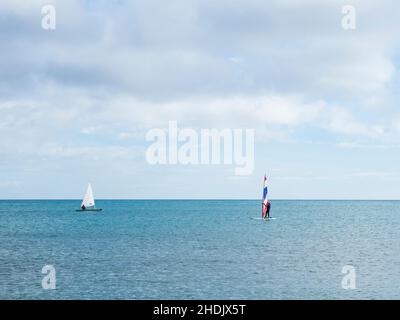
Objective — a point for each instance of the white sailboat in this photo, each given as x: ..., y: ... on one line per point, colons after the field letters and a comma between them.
x: 88, y: 203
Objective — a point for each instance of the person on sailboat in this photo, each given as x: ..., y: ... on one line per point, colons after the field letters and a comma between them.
x: 268, y: 208
x: 83, y: 207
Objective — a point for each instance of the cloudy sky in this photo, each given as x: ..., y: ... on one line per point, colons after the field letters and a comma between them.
x: 76, y: 102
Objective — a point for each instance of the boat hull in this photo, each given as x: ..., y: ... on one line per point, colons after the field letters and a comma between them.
x: 88, y: 210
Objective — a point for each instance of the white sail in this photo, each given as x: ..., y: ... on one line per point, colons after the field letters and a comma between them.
x: 88, y: 200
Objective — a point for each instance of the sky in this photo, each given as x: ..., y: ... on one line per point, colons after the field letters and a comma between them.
x: 77, y: 101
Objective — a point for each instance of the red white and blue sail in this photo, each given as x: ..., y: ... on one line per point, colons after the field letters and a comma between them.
x: 264, y: 198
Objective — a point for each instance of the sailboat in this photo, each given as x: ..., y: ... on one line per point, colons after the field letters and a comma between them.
x: 264, y: 199
x: 88, y: 203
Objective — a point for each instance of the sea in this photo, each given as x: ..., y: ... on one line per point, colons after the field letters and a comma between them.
x: 200, y: 249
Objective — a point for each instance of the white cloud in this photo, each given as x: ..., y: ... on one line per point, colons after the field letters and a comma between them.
x: 55, y: 117
x: 367, y: 145
x: 342, y: 121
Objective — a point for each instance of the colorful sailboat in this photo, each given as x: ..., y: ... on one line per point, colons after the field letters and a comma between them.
x: 264, y: 198
x: 88, y: 203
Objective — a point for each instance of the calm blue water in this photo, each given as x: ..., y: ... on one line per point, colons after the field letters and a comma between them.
x: 200, y: 250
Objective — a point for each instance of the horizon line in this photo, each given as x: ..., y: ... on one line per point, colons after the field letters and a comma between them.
x: 193, y: 199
